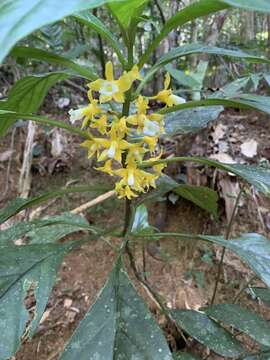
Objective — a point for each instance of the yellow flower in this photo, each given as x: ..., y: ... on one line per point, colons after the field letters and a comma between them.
x: 100, y: 124
x: 107, y: 168
x: 87, y: 113
x: 124, y: 191
x: 114, y: 147
x: 135, y: 153
x: 109, y: 88
x: 158, y: 169
x: 119, y: 127
x: 94, y: 146
x: 166, y: 96
x: 151, y: 142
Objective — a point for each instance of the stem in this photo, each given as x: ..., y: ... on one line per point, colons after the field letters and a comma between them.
x: 227, y: 236
x: 243, y: 288
x: 163, y: 20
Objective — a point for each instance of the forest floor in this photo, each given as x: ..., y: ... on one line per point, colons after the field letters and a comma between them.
x: 183, y: 273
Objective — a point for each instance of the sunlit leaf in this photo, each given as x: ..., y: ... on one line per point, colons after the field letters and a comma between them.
x: 125, y: 11
x: 140, y: 222
x: 241, y: 319
x: 258, y: 5
x: 207, y: 332
x: 118, y: 326
x: 19, y: 18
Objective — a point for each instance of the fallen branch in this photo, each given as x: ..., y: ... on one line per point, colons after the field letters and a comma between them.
x: 93, y: 202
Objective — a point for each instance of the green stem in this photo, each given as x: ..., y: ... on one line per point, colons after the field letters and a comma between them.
x: 227, y: 236
x: 243, y: 288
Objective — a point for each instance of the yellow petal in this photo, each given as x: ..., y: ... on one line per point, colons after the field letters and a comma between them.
x: 167, y: 81
x: 109, y: 71
x: 119, y: 97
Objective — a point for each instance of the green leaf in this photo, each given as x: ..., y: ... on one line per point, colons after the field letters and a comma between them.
x: 263, y: 294
x: 241, y: 319
x: 27, y: 95
x: 184, y: 356
x: 127, y: 10
x: 190, y: 120
x: 202, y: 196
x: 191, y: 49
x: 258, y: 5
x: 43, y: 55
x: 19, y: 18
x: 253, y: 249
x: 19, y: 204
x: 7, y: 118
x: 46, y: 230
x: 182, y: 78
x: 118, y: 326
x: 94, y: 23
x: 23, y: 268
x: 189, y: 13
x: 207, y: 332
x: 140, y: 222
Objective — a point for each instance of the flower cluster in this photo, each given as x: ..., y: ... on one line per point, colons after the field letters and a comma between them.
x: 121, y: 143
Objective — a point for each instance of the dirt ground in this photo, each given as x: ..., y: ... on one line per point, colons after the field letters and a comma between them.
x: 184, y: 272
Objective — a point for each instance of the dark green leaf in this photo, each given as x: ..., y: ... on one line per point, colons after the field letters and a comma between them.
x: 202, y: 196
x: 7, y: 118
x: 27, y: 95
x: 207, y: 332
x: 118, y: 326
x: 189, y: 13
x: 253, y: 249
x: 241, y: 319
x: 263, y: 294
x: 19, y: 204
x: 19, y: 18
x: 258, y: 5
x: 23, y: 268
x: 191, y: 49
x: 50, y: 229
x: 190, y: 120
x: 254, y: 175
x: 93, y: 22
x: 184, y: 356
x: 42, y: 55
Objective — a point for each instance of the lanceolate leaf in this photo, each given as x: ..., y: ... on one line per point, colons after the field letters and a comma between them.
x: 42, y: 55
x: 243, y: 101
x: 23, y: 268
x: 27, y: 95
x: 94, y: 23
x: 189, y: 13
x: 253, y: 249
x: 126, y: 10
x: 207, y: 332
x: 118, y: 326
x: 190, y: 120
x: 202, y: 196
x: 47, y: 230
x: 9, y: 117
x: 19, y: 204
x: 263, y: 294
x: 190, y: 49
x: 184, y: 356
x: 258, y: 5
x: 19, y: 18
x: 254, y: 175
x: 241, y: 319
